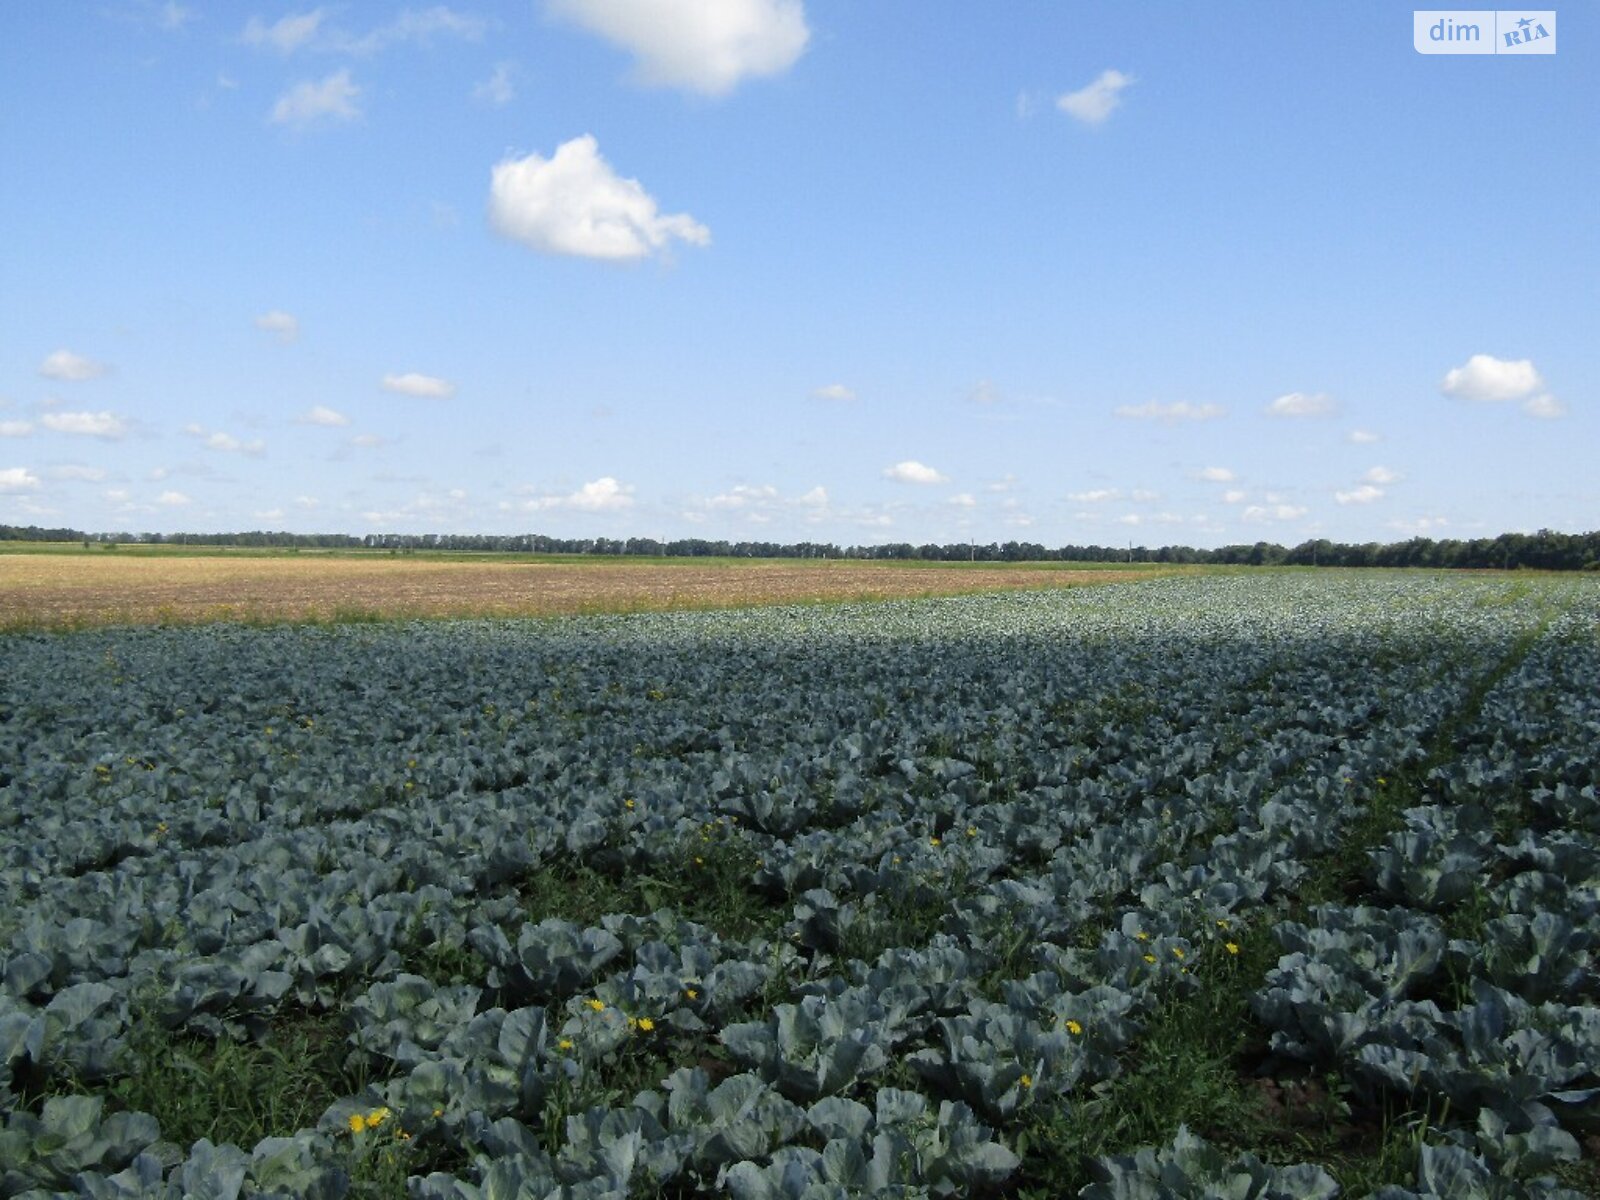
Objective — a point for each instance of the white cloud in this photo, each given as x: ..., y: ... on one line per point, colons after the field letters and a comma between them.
x: 76, y: 471
x: 1180, y: 410
x: 270, y: 514
x: 1363, y: 437
x: 174, y: 16
x: 15, y: 428
x: 574, y: 203
x: 834, y: 391
x: 172, y: 499
x: 285, y: 35
x: 913, y: 472
x: 413, y: 384
x: 334, y: 98
x: 421, y: 26
x: 307, y: 502
x: 1420, y: 525
x: 1544, y: 406
x: 1094, y: 496
x: 984, y: 393
x: 691, y: 44
x: 229, y: 444
x: 285, y: 325
x: 87, y: 424
x: 64, y: 364
x: 1276, y: 512
x: 1487, y: 378
x: 1302, y: 404
x: 369, y: 441
x: 963, y: 500
x: 498, y: 89
x: 742, y: 495
x: 1382, y: 475
x: 1143, y: 495
x: 17, y: 479
x: 1235, y: 496
x: 320, y: 415
x: 601, y: 495
x: 817, y: 497
x: 1094, y: 103
x: 1004, y: 484
x: 1216, y: 475
x: 1365, y: 494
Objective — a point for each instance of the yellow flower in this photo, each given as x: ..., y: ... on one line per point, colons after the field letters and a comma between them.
x: 972, y: 831
x: 1177, y: 951
x: 1142, y: 936
x: 1221, y: 924
x: 438, y: 1112
x: 691, y: 993
x: 698, y: 861
x: 596, y: 1003
x: 1382, y: 782
x: 1074, y: 1028
x: 628, y: 804
x: 1149, y: 958
x: 633, y: 1022
x: 564, y: 1044
x: 646, y: 1025
x: 1026, y: 1081
x: 1231, y: 947
x: 358, y: 1123
x: 933, y: 841
x: 377, y: 1117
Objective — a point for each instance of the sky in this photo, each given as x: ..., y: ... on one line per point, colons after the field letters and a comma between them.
x: 796, y: 270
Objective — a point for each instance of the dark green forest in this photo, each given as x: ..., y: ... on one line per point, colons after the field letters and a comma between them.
x: 1545, y: 550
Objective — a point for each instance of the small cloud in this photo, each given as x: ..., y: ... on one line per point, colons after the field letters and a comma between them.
x: 75, y: 368
x: 327, y: 417
x: 287, y: 34
x: 1276, y: 512
x: 602, y: 495
x: 690, y: 44
x: 86, y: 424
x: 963, y: 500
x: 1302, y: 404
x: 285, y: 325
x: 817, y: 497
x: 78, y: 473
x: 17, y: 479
x: 574, y: 203
x: 1027, y: 105
x: 984, y: 393
x: 1421, y: 525
x: 1365, y: 494
x: 15, y: 428
x: 1144, y: 495
x: 1216, y: 475
x: 497, y: 90
x: 172, y: 499
x: 333, y: 98
x: 1180, y: 410
x: 174, y: 16
x: 834, y: 391
x: 1544, y: 406
x: 1235, y: 496
x: 742, y: 495
x: 307, y: 502
x: 413, y: 384
x: 269, y: 514
x: 1382, y: 475
x: 1363, y: 437
x: 369, y: 441
x: 913, y: 472
x: 1094, y: 103
x: 1094, y: 496
x: 1491, y: 379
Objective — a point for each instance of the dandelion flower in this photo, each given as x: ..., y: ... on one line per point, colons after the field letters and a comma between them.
x: 564, y: 1044
x: 358, y: 1123
x: 646, y: 1025
x: 1075, y: 1029
x: 596, y: 1003
x: 972, y: 831
x: 1231, y: 947
x: 691, y: 994
x: 1177, y: 951
x: 1026, y: 1081
x: 377, y: 1117
x: 1149, y: 958
x: 933, y: 841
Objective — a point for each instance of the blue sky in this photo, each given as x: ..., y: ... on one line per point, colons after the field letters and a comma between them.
x: 1089, y: 273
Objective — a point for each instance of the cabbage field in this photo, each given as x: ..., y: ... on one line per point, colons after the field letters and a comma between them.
x: 1265, y: 885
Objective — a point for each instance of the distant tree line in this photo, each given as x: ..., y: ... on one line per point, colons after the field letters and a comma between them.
x: 1544, y: 550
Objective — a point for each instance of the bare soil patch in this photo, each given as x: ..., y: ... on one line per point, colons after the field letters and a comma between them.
x: 64, y: 591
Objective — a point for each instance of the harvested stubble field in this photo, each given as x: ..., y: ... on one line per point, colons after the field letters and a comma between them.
x: 75, y: 589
